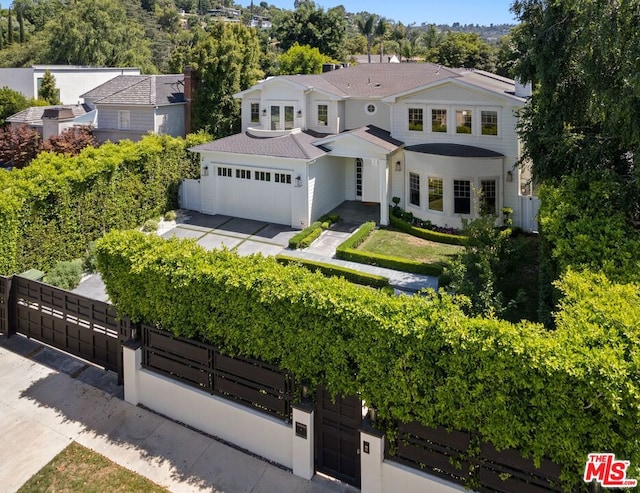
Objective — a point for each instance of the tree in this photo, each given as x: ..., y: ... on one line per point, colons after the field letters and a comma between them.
x: 9, y: 27
x: 10, y: 103
x: 380, y: 32
x: 48, y: 90
x: 70, y: 142
x: 311, y: 26
x: 19, y: 146
x: 226, y: 61
x: 98, y: 32
x: 466, y: 50
x: 366, y: 26
x: 301, y: 60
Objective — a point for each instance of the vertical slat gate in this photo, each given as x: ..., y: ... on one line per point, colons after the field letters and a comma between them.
x: 338, y: 437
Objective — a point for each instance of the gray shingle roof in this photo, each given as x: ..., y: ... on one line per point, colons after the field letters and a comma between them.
x: 454, y: 150
x: 377, y: 136
x: 294, y: 146
x: 140, y: 90
x: 33, y: 115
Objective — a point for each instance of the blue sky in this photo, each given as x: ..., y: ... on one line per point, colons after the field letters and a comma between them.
x: 483, y: 12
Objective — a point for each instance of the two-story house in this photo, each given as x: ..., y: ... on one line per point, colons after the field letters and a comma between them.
x: 442, y: 140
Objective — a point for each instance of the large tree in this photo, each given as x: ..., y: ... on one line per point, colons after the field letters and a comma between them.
x: 226, y: 60
x: 301, y: 60
x: 98, y: 32
x: 312, y: 26
x: 367, y: 26
x: 10, y: 103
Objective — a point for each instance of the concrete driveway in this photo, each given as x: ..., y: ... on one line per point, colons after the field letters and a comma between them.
x: 244, y: 236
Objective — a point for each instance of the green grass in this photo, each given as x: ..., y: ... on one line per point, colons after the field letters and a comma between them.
x: 78, y: 469
x: 399, y: 244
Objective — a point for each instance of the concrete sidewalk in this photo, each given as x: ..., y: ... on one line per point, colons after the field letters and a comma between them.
x: 49, y: 399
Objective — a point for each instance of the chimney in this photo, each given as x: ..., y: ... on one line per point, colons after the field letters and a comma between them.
x: 190, y: 85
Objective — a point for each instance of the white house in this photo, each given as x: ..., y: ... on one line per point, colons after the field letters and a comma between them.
x: 72, y: 81
x: 435, y: 137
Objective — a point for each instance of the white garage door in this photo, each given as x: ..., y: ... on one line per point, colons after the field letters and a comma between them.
x: 261, y: 194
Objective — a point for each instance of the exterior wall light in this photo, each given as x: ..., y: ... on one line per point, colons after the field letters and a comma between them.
x: 398, y: 165
x: 299, y: 113
x: 205, y: 171
x: 298, y: 182
x: 264, y: 112
x: 509, y: 175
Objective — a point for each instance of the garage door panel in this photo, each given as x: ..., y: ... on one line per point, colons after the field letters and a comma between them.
x: 254, y: 199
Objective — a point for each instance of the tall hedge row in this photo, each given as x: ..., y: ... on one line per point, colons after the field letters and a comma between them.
x: 559, y: 394
x: 54, y: 207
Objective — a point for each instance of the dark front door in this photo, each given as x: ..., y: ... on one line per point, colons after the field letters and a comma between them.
x: 337, y: 436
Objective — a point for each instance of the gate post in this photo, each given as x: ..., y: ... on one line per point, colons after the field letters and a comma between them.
x: 303, y: 439
x: 7, y: 306
x: 371, y: 456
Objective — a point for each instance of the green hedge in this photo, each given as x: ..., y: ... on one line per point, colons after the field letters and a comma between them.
x: 560, y: 394
x: 304, y: 238
x: 427, y: 234
x: 347, y: 251
x: 351, y: 275
x: 52, y: 209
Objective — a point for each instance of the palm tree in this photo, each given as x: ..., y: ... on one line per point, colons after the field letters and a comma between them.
x: 366, y: 28
x: 381, y: 30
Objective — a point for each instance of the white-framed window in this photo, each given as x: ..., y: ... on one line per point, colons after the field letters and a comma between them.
x: 243, y: 173
x: 439, y: 120
x: 255, y: 112
x: 489, y: 122
x: 124, y: 120
x: 416, y: 119
x: 464, y: 121
x: 370, y: 108
x: 488, y: 196
x: 262, y: 175
x: 414, y: 189
x: 284, y: 178
x: 462, y: 196
x: 436, y: 194
x: 323, y: 115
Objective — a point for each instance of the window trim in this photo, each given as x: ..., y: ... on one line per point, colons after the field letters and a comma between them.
x: 121, y: 113
x: 251, y: 113
x: 441, y: 179
x: 370, y: 105
x: 319, y: 122
x: 447, y: 111
x: 412, y: 190
x: 416, y: 108
x: 471, y: 183
x: 496, y: 182
x: 282, y: 115
x: 472, y: 111
x: 497, y: 112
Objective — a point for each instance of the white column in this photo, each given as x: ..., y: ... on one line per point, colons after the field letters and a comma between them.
x: 371, y: 458
x: 384, y: 192
x: 132, y: 362
x: 303, y: 440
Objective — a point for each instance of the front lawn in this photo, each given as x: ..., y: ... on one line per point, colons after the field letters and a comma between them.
x: 399, y: 244
x: 78, y: 469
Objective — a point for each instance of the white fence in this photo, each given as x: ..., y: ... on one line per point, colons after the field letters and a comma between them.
x: 529, y: 207
x: 190, y: 195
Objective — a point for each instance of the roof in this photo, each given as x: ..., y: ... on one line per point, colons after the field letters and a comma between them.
x: 33, y: 115
x: 370, y: 133
x: 381, y: 80
x: 295, y: 145
x: 454, y: 150
x: 150, y: 90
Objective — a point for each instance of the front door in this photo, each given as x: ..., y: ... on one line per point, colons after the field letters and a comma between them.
x: 338, y: 436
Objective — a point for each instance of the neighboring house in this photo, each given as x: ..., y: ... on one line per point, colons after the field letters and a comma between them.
x: 432, y: 136
x: 72, y: 81
x: 130, y: 106
x: 53, y: 120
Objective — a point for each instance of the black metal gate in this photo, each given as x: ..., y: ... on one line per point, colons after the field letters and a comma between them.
x: 75, y: 324
x: 337, y: 436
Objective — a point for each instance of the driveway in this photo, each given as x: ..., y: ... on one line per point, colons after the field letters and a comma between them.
x: 244, y: 236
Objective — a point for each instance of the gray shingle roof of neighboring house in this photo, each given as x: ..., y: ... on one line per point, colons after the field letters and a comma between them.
x: 33, y: 115
x: 454, y: 150
x: 296, y: 145
x: 140, y: 90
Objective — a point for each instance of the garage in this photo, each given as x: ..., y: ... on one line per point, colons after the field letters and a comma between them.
x: 255, y: 193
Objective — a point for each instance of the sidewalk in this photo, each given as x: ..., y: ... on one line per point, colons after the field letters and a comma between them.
x: 48, y: 399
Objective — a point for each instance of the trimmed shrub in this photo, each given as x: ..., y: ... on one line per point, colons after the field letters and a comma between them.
x: 90, y: 261
x: 170, y: 216
x: 427, y: 234
x: 150, y: 225
x: 356, y: 239
x: 305, y: 237
x: 351, y: 275
x: 65, y: 274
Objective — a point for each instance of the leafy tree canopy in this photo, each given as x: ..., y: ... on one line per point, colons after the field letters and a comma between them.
x: 48, y: 90
x: 10, y: 103
x: 301, y: 60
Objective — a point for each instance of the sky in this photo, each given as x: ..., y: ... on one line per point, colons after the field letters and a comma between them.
x: 483, y: 12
